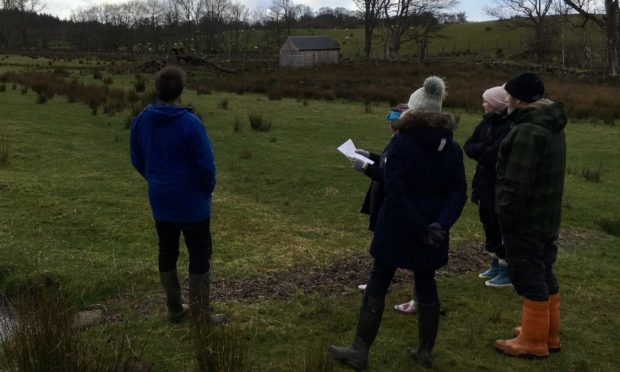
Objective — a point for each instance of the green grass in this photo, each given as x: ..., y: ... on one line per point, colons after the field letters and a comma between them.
x: 72, y: 207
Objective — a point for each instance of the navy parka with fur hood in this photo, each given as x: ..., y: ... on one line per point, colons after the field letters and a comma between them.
x: 424, y: 180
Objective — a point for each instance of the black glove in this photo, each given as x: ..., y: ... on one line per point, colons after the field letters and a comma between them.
x: 436, y: 235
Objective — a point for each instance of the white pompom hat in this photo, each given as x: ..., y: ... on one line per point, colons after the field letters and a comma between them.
x: 429, y: 97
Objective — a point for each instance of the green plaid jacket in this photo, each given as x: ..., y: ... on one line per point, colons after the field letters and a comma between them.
x: 530, y: 170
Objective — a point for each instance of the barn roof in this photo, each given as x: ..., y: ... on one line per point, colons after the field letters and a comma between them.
x: 313, y: 42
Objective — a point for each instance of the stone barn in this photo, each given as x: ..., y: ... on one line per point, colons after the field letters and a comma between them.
x: 299, y: 51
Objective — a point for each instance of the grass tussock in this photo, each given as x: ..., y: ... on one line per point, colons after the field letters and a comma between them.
x: 610, y: 226
x: 5, y: 150
x: 315, y: 359
x: 259, y: 123
x: 220, y: 348
x: 2, y: 87
x: 246, y: 153
x: 223, y: 104
x: 237, y: 125
x: 592, y: 175
x: 45, y: 338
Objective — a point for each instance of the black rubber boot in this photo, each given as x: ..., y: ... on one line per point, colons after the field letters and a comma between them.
x: 428, y: 324
x: 356, y: 355
x: 199, y: 299
x: 176, y: 308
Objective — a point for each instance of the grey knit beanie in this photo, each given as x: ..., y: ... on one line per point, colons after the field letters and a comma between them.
x: 429, y: 97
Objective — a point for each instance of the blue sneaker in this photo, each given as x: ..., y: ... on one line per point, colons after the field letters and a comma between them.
x: 501, y: 280
x: 492, y: 271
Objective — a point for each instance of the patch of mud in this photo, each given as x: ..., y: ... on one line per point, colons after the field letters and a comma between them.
x: 577, y: 239
x: 338, y: 277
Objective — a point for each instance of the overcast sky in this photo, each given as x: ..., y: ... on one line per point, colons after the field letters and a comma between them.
x: 62, y: 8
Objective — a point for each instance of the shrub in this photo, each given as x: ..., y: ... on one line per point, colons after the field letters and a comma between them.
x: 258, y: 123
x: 24, y: 90
x: 97, y: 75
x: 2, y: 87
x: 224, y: 104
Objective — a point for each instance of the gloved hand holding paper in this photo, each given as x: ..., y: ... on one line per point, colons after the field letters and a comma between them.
x: 348, y: 150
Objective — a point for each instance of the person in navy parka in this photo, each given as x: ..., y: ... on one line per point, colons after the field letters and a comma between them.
x: 171, y: 150
x: 425, y: 187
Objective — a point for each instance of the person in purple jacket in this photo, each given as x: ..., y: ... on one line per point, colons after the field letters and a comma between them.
x: 171, y: 150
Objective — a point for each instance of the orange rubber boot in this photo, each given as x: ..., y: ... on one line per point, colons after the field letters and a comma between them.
x: 532, y: 341
x: 553, y: 342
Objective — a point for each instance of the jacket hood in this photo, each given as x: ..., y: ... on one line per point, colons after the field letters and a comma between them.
x: 432, y: 130
x: 425, y: 119
x: 162, y: 114
x: 545, y: 113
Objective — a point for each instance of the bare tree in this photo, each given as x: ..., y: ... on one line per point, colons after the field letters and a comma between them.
x: 609, y: 23
x: 533, y: 13
x: 371, y: 10
x: 286, y: 11
x: 400, y: 16
x: 237, y: 18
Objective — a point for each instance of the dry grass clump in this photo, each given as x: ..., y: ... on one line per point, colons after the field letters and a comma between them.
x: 220, y: 348
x: 44, y: 336
x: 259, y: 123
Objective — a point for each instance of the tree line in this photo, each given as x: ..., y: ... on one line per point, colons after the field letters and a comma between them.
x: 213, y: 26
x: 229, y: 27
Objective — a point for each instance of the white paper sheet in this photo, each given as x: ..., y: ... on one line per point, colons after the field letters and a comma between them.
x: 348, y: 150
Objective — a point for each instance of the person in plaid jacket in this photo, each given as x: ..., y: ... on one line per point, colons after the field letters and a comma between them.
x: 530, y: 182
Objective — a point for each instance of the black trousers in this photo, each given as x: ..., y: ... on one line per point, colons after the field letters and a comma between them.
x: 492, y: 232
x: 530, y: 264
x: 381, y: 276
x: 197, y: 240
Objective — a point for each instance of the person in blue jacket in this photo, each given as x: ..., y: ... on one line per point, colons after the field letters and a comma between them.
x: 170, y: 148
x: 425, y: 191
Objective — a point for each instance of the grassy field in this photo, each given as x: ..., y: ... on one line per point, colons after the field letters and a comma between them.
x: 72, y: 208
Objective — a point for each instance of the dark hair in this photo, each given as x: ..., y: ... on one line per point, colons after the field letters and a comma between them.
x: 169, y: 83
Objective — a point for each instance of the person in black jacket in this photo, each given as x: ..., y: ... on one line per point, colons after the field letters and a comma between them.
x: 425, y: 191
x: 482, y: 146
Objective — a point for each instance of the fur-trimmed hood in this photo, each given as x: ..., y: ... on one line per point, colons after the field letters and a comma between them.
x: 431, y: 130
x: 425, y: 119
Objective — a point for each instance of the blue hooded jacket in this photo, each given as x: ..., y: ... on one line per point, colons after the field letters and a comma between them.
x: 171, y: 150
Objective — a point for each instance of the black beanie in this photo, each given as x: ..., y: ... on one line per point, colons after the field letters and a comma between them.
x: 527, y: 86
